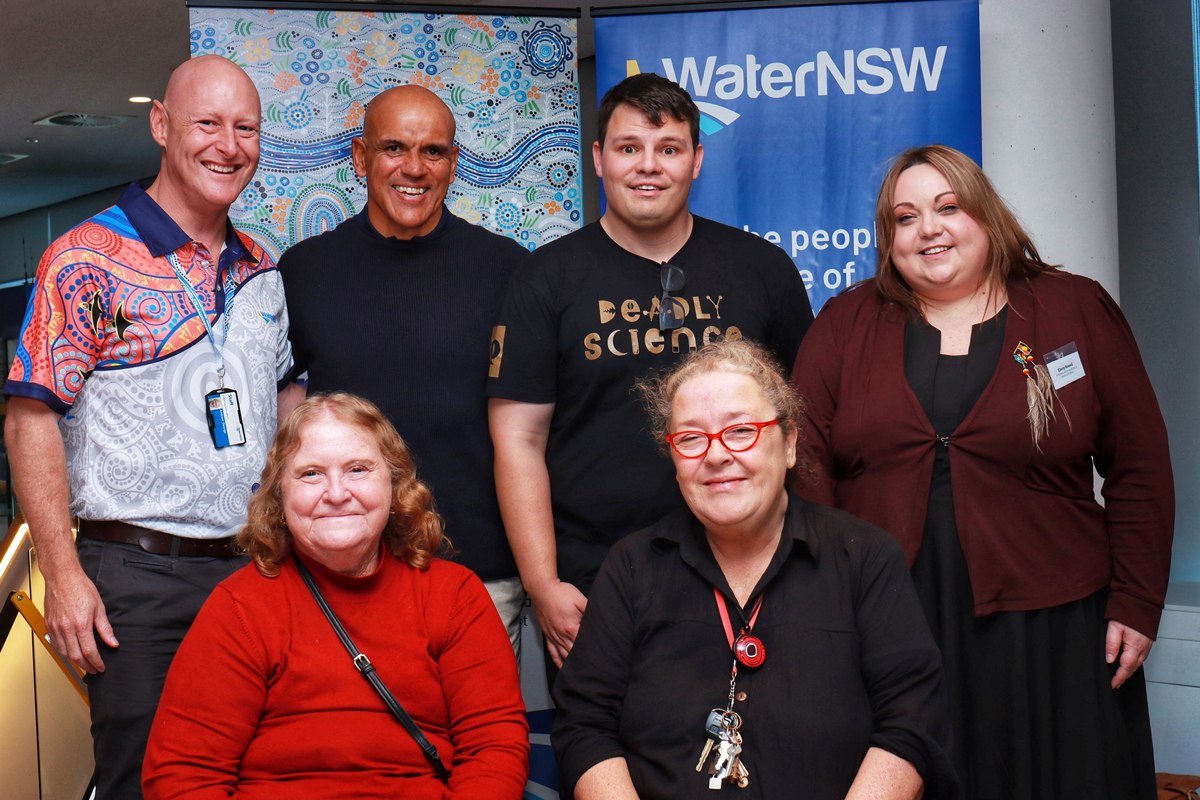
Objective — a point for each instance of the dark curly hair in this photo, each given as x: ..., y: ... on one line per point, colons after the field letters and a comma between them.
x: 414, y: 529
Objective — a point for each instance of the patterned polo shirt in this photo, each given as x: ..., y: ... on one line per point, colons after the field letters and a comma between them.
x: 113, y: 343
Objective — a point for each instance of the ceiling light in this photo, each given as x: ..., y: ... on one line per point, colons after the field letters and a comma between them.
x: 31, y: 140
x: 72, y: 119
x: 140, y: 99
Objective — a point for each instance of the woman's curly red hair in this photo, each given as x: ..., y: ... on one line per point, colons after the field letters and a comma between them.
x: 413, y: 532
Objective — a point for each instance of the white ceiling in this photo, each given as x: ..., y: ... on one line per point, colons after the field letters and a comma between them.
x: 89, y: 56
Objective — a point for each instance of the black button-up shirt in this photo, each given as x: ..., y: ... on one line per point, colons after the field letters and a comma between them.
x: 850, y: 663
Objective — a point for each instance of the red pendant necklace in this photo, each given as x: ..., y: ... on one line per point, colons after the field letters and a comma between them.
x: 747, y: 649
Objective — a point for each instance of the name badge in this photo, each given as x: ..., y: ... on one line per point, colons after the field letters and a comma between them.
x: 1065, y: 365
x: 224, y: 418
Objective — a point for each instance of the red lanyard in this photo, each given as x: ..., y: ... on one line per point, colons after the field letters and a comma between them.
x: 748, y: 650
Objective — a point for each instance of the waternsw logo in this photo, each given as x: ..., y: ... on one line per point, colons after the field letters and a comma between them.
x: 881, y: 70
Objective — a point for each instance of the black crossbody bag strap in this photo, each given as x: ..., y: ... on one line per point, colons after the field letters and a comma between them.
x: 364, y: 666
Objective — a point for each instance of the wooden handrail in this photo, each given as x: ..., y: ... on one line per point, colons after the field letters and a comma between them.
x: 37, y: 622
x: 24, y: 605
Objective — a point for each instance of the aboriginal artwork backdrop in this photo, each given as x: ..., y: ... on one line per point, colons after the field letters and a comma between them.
x: 512, y: 83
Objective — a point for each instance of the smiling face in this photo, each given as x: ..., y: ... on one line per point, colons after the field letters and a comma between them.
x: 737, y: 492
x: 647, y: 169
x: 208, y: 126
x: 408, y: 156
x: 337, y: 493
x: 939, y: 250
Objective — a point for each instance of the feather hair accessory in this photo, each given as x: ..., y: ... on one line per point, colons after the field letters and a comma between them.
x: 1039, y: 393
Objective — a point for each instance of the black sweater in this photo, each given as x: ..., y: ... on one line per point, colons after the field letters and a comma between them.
x: 406, y: 324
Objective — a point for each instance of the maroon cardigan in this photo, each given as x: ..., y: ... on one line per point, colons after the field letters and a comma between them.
x: 1031, y: 530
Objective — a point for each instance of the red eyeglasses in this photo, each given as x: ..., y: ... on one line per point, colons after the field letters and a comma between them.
x: 736, y: 438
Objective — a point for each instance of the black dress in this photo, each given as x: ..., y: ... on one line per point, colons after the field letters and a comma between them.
x: 1030, y: 699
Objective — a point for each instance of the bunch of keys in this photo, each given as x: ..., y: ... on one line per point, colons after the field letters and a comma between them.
x: 721, y: 728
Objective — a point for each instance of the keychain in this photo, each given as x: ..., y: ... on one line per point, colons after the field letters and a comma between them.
x: 722, y: 728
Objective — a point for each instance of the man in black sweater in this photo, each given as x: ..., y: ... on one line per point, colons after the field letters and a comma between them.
x: 395, y: 305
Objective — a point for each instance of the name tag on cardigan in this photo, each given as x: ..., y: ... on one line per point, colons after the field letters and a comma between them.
x: 1065, y: 365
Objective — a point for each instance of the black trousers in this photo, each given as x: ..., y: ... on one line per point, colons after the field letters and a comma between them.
x: 151, y: 601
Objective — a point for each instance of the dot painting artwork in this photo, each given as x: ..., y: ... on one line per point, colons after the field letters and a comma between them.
x: 511, y: 82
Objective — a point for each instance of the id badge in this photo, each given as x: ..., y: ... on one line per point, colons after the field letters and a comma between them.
x: 224, y: 418
x: 1065, y: 365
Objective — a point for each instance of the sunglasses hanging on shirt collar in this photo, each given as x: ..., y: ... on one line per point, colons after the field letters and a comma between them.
x: 670, y: 313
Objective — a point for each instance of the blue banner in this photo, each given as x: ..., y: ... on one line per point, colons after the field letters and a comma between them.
x: 802, y: 109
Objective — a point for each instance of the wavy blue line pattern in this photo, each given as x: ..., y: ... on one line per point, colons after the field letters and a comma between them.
x: 281, y: 155
x: 493, y: 173
x: 519, y: 170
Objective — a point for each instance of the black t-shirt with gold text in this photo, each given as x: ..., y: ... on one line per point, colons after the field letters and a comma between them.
x: 578, y: 325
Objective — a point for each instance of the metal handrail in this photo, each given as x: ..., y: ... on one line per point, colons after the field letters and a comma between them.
x: 13, y: 539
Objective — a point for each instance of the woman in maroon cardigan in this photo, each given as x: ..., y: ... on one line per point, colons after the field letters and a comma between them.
x: 960, y: 400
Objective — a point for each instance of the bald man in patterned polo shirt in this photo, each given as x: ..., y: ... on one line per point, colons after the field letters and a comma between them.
x: 142, y: 400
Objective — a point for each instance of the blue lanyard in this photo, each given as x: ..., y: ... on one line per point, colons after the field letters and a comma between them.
x: 195, y: 298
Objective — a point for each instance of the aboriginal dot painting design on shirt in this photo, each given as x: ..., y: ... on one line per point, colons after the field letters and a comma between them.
x: 112, y: 342
x: 104, y: 302
x: 511, y: 82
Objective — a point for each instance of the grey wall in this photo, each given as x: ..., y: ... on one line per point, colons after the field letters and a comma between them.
x: 1159, y: 227
x: 1046, y: 82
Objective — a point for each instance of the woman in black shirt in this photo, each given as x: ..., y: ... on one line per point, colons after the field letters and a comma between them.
x: 756, y: 641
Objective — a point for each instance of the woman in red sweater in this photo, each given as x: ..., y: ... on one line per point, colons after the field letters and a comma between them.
x: 264, y: 701
x: 960, y: 400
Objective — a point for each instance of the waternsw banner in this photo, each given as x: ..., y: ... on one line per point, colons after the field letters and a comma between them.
x: 512, y: 83
x: 803, y: 107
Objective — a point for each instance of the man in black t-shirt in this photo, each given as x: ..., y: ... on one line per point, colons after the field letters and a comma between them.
x: 589, y: 314
x: 395, y: 305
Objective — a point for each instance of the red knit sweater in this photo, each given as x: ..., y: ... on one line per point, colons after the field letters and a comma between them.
x: 1031, y: 531
x: 262, y: 700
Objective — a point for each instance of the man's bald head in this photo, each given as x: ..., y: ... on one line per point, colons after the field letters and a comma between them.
x: 408, y: 156
x: 207, y: 125
x: 418, y: 99
x: 194, y: 75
